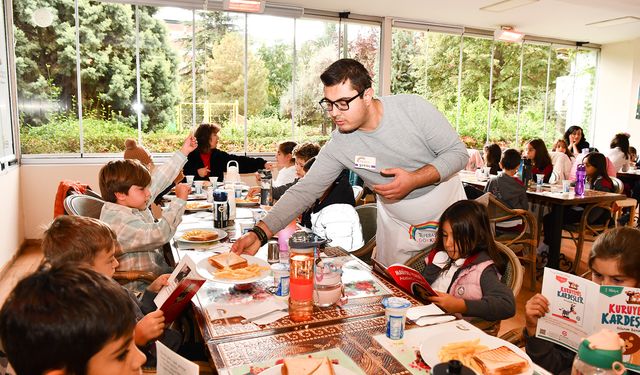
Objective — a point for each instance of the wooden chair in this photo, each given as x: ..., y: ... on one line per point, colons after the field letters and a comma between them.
x: 624, y: 203
x: 586, y: 231
x: 417, y: 261
x: 89, y: 206
x: 524, y: 240
x: 368, y: 214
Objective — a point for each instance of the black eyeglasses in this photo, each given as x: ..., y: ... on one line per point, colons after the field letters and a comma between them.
x: 341, y: 104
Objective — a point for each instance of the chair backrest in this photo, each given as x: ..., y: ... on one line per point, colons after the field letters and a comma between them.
x: 368, y: 214
x: 83, y: 205
x: 618, y: 185
x: 514, y: 272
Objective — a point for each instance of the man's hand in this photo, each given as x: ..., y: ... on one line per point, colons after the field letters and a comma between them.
x: 534, y: 309
x: 247, y: 244
x: 149, y: 328
x: 182, y: 191
x: 158, y: 283
x: 190, y: 144
x: 403, y: 183
x: 449, y: 303
x: 203, y: 172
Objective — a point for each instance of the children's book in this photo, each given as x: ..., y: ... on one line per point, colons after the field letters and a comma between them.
x: 184, y: 283
x: 411, y: 281
x: 579, y: 307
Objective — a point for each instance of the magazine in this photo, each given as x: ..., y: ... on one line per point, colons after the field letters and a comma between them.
x: 579, y: 307
x: 411, y: 281
x: 184, y: 283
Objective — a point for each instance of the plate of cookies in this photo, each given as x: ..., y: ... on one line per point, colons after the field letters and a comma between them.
x: 231, y: 268
x: 201, y: 235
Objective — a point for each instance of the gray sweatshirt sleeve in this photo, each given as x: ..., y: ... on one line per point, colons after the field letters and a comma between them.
x: 497, y: 300
x: 442, y: 139
x: 304, y: 193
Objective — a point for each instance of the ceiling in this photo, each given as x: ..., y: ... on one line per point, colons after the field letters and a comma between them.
x: 559, y: 19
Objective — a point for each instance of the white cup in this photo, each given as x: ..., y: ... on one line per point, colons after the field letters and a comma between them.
x: 189, y: 179
x: 539, y: 179
x: 566, y: 186
x: 198, y: 186
x: 214, y: 181
x: 395, y: 313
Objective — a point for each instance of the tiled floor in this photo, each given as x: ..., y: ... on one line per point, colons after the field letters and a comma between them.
x: 31, y: 257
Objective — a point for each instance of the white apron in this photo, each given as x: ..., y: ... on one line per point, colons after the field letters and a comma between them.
x: 408, y: 226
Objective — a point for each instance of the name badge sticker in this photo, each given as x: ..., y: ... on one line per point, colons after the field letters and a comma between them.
x: 365, y: 162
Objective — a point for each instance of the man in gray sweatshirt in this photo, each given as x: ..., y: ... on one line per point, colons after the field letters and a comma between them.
x: 401, y: 146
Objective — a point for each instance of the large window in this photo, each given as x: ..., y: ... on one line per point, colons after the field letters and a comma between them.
x: 7, y: 152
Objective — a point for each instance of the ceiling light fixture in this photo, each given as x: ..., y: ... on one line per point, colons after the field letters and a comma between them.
x: 508, y: 34
x: 614, y: 21
x: 504, y: 5
x: 247, y: 6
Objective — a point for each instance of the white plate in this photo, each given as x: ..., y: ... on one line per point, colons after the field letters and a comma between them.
x: 431, y: 346
x: 209, y: 270
x: 276, y: 370
x: 221, y: 235
x: 202, y: 206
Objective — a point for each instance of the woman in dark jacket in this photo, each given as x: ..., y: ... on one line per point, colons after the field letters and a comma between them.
x: 207, y: 161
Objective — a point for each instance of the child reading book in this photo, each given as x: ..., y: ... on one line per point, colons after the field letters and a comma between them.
x: 128, y: 189
x: 89, y: 241
x: 68, y: 319
x: 465, y: 264
x: 614, y: 260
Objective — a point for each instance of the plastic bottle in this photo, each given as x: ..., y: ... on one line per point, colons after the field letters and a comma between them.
x: 303, y: 248
x: 526, y: 171
x: 220, y: 209
x: 600, y: 354
x: 265, y: 187
x: 283, y: 241
x: 581, y: 174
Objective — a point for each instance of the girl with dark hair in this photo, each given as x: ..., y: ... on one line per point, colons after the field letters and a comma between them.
x: 619, y: 152
x: 207, y: 161
x: 492, y: 155
x: 466, y: 264
x: 574, y: 137
x: 614, y: 260
x: 536, y: 151
x: 596, y: 166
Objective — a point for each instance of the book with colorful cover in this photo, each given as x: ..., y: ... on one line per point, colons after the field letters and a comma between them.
x: 579, y: 307
x: 411, y: 281
x: 184, y: 283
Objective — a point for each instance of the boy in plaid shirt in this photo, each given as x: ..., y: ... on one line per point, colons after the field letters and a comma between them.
x: 128, y: 189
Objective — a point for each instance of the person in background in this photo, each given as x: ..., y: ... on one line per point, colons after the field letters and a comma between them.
x: 492, y: 153
x: 507, y: 187
x: 536, y: 151
x: 128, y: 190
x: 69, y: 319
x: 619, y: 152
x: 574, y: 138
x: 90, y: 242
x: 208, y: 161
x: 596, y: 167
x: 333, y: 216
x: 614, y: 260
x: 633, y: 157
x: 562, y: 160
x: 465, y: 265
x: 401, y: 146
x: 561, y: 146
x: 286, y: 164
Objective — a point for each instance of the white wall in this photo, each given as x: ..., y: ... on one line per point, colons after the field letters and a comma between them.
x: 11, y: 220
x: 617, y: 93
x: 39, y: 186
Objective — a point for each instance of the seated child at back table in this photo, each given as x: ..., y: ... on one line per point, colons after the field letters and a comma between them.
x: 465, y: 265
x: 614, y: 260
x: 84, y: 240
x: 69, y: 319
x: 128, y: 189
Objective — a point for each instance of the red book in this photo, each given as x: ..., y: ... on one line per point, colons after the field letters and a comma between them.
x: 184, y: 283
x: 411, y: 281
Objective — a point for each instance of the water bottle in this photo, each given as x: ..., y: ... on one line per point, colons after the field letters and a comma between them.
x: 265, y: 187
x: 581, y: 174
x: 220, y: 209
x: 525, y: 172
x: 600, y: 354
x: 231, y: 199
x: 303, y: 249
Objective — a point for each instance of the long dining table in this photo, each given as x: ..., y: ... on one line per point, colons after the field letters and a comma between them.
x: 552, y: 196
x: 351, y: 334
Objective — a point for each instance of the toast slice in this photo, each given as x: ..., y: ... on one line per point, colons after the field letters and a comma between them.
x: 200, y: 235
x: 307, y: 366
x: 231, y: 260
x: 500, y: 361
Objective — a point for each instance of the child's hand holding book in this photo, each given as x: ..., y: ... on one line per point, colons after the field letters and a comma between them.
x: 149, y: 328
x: 158, y: 283
x: 449, y: 303
x: 535, y: 308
